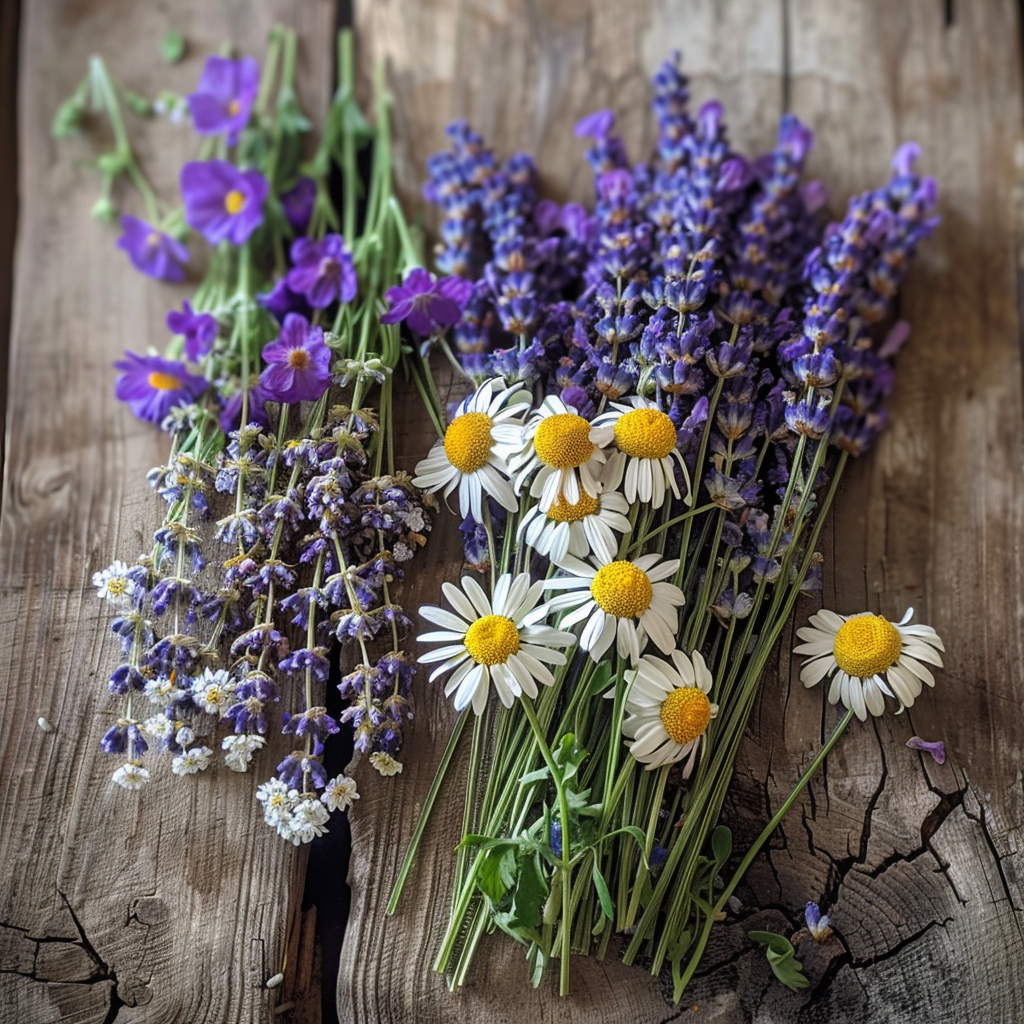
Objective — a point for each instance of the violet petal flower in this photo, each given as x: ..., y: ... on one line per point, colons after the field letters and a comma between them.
x: 256, y: 413
x: 428, y: 306
x: 199, y: 329
x: 818, y: 924
x: 298, y: 203
x: 224, y: 97
x: 153, y: 386
x: 151, y: 251
x: 323, y: 271
x: 281, y: 300
x: 595, y: 125
x: 221, y: 201
x: 936, y: 748
x: 298, y: 367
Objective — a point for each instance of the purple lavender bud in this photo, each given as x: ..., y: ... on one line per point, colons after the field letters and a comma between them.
x: 934, y: 747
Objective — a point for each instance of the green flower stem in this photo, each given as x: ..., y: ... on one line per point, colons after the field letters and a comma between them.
x: 566, y: 870
x: 755, y: 848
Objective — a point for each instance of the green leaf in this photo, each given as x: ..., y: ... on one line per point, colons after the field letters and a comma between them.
x: 172, y: 46
x: 530, y: 893
x: 496, y: 870
x: 782, y: 959
x: 721, y: 846
x: 602, y: 892
x: 600, y: 680
x: 540, y: 773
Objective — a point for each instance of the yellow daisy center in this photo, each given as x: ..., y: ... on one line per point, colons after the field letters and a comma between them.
x: 563, y: 440
x: 867, y: 645
x: 234, y: 201
x: 492, y: 640
x: 563, y: 512
x: 621, y: 589
x: 467, y: 441
x: 645, y: 434
x: 163, y: 381
x: 685, y: 713
x: 117, y: 586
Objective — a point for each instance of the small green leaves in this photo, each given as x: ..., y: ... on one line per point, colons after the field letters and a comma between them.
x: 782, y: 958
x: 607, y: 907
x: 721, y: 846
x: 496, y: 870
x: 172, y: 46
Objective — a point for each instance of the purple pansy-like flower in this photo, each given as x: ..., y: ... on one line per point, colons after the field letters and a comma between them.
x: 256, y: 412
x: 323, y: 271
x: 281, y: 300
x: 153, y: 386
x: 934, y: 747
x: 224, y: 97
x: 151, y: 251
x: 298, y: 362
x: 199, y: 329
x: 298, y: 203
x: 221, y: 201
x: 427, y: 305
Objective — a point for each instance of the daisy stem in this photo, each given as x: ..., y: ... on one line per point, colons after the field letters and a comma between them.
x: 652, y: 826
x: 642, y: 540
x: 566, y: 869
x: 755, y: 848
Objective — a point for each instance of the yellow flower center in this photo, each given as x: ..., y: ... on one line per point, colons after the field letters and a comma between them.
x: 153, y: 239
x: 563, y: 441
x: 234, y: 107
x: 645, y: 434
x: 621, y: 589
x: 298, y: 359
x: 685, y: 713
x: 467, y: 441
x: 117, y: 586
x: 492, y: 640
x: 234, y: 201
x: 867, y: 645
x: 563, y: 512
x: 163, y: 381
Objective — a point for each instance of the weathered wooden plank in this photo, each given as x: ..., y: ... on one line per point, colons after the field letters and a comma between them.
x: 918, y: 864
x: 172, y: 908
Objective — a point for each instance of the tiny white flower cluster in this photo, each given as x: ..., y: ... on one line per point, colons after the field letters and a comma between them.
x: 301, y: 817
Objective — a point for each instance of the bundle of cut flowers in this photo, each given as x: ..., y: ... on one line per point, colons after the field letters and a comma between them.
x: 286, y: 527
x: 667, y: 388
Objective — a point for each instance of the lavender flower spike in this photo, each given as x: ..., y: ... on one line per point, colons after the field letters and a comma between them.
x: 221, y: 201
x: 151, y: 251
x: 934, y: 747
x: 224, y: 97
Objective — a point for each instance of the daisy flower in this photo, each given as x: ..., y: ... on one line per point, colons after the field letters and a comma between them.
x: 622, y: 601
x: 668, y: 710
x: 495, y: 639
x: 113, y: 583
x: 189, y: 762
x: 647, y: 442
x: 869, y: 658
x: 559, y: 449
x: 339, y: 793
x: 473, y: 454
x: 131, y: 775
x: 580, y: 528
x: 385, y: 763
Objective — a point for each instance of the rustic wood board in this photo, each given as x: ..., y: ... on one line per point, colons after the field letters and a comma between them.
x: 918, y: 864
x: 173, y: 909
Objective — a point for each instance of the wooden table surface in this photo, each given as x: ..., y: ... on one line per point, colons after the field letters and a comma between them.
x: 177, y: 908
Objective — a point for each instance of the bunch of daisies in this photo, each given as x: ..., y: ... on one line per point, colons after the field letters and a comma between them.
x: 667, y: 388
x: 287, y: 528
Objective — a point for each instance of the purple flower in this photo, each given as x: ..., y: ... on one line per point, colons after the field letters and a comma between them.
x: 151, y: 251
x: 427, y: 305
x: 298, y: 203
x: 153, y: 386
x: 323, y: 271
x: 299, y: 363
x: 936, y: 748
x: 281, y: 300
x: 221, y: 201
x: 595, y: 125
x: 199, y: 329
x: 224, y: 97
x: 818, y: 924
x: 257, y: 412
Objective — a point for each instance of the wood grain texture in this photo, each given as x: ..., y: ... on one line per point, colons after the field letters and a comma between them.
x: 174, y: 908
x: 919, y: 865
